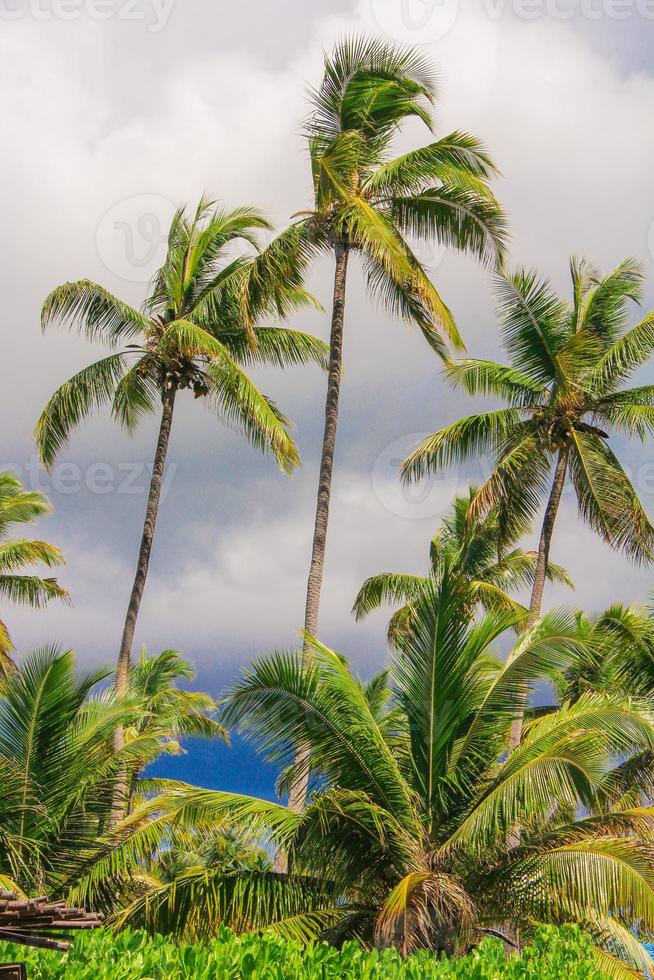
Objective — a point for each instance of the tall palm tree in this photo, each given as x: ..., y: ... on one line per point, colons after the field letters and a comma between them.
x: 199, y: 329
x: 570, y: 362
x: 489, y: 568
x: 369, y: 203
x: 19, y: 506
x: 414, y: 792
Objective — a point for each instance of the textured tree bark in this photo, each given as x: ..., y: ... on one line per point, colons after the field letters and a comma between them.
x: 298, y: 792
x: 124, y: 656
x: 541, y: 566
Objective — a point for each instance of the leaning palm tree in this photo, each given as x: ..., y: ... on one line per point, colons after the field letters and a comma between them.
x: 369, y: 203
x: 19, y: 506
x: 198, y: 330
x: 570, y: 362
x: 488, y: 566
x: 414, y: 793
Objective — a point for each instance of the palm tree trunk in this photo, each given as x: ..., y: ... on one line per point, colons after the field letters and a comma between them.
x: 541, y: 566
x: 125, y: 653
x: 298, y: 791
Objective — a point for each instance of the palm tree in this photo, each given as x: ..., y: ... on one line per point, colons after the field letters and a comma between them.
x: 57, y: 765
x: 199, y: 328
x: 617, y: 655
x: 174, y: 713
x: 366, y: 203
x: 19, y: 506
x: 488, y: 566
x: 570, y: 362
x: 216, y: 846
x: 414, y: 794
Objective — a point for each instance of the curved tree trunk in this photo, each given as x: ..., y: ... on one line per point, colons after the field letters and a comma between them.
x: 541, y: 566
x: 298, y: 791
x: 125, y: 653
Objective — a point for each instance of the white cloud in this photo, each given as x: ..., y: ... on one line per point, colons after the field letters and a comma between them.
x: 95, y: 113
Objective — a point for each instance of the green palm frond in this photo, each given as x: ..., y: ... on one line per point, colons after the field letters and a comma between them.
x: 607, y: 499
x: 533, y: 324
x: 489, y: 378
x: 276, y: 345
x: 409, y: 173
x: 239, y: 402
x: 624, y: 356
x: 457, y: 215
x: 92, y: 387
x: 94, y: 311
x: 387, y: 588
x: 460, y: 442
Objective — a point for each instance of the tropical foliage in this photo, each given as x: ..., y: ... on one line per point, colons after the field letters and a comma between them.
x: 133, y: 955
x: 18, y: 555
x: 491, y: 789
x: 407, y: 836
x: 59, y: 764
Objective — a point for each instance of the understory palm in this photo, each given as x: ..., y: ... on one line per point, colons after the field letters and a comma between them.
x: 566, y: 383
x: 20, y: 506
x: 199, y: 329
x: 58, y: 764
x: 489, y: 567
x: 371, y: 204
x: 404, y: 840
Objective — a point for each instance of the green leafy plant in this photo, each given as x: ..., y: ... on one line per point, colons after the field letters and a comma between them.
x: 58, y: 765
x: 554, y: 953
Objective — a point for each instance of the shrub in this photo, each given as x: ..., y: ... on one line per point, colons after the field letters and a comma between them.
x: 555, y: 953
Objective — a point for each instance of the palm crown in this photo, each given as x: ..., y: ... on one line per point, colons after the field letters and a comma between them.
x: 19, y: 506
x: 565, y: 385
x: 368, y: 201
x: 199, y: 328
x: 488, y: 567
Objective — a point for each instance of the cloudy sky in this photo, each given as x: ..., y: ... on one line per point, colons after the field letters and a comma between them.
x: 116, y: 110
